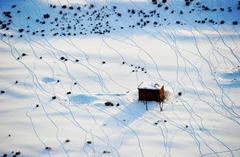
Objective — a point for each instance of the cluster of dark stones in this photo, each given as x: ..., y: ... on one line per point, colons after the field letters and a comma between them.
x: 12, y: 154
x: 137, y: 68
x: 89, y: 19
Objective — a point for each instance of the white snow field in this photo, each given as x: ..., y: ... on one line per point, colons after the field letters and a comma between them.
x: 62, y: 60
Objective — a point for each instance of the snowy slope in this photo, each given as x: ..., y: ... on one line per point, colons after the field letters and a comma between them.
x: 62, y: 60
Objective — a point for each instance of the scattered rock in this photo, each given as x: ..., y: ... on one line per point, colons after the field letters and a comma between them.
x: 54, y: 97
x: 164, y: 1
x: 179, y: 93
x: 17, y: 153
x: 106, y: 152
x: 154, y: 1
x: 48, y: 148
x: 89, y: 142
x: 67, y: 141
x: 46, y: 16
x: 5, y: 155
x: 108, y: 103
x: 222, y: 22
x: 20, y: 30
x: 235, y: 23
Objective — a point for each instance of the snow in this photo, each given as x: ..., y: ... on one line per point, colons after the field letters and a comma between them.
x: 82, y: 99
x: 53, y: 87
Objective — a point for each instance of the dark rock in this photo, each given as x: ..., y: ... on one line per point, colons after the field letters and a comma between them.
x: 154, y: 1
x: 235, y: 23
x: 67, y: 141
x: 5, y: 155
x: 20, y: 30
x: 54, y: 97
x: 179, y: 93
x: 7, y: 14
x: 106, y: 152
x: 108, y: 103
x: 119, y: 14
x: 48, y: 148
x: 2, y: 92
x: 89, y: 142
x: 68, y: 93
x: 46, y: 16
x: 18, y: 153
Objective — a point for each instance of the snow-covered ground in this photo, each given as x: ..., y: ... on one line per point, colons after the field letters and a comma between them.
x: 62, y: 60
